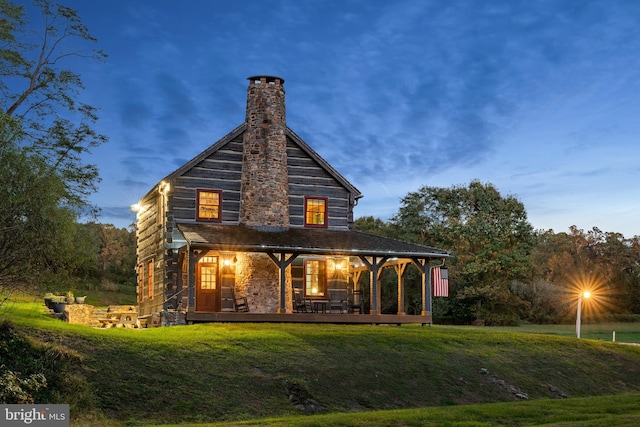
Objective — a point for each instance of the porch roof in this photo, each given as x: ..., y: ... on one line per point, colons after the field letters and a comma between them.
x: 302, y: 240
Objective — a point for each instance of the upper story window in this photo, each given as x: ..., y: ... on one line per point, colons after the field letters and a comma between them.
x: 315, y: 212
x: 208, y: 206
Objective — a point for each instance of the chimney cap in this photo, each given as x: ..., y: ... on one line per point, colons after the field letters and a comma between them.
x: 268, y: 79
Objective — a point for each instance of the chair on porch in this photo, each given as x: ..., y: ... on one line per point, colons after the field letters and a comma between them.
x: 356, y: 302
x: 300, y: 305
x: 240, y: 303
x: 338, y: 300
x: 230, y: 302
x: 227, y: 299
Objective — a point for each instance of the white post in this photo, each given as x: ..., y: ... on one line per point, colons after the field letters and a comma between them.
x: 578, y: 317
x: 614, y: 336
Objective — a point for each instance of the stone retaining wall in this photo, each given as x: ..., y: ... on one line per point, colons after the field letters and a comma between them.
x: 80, y: 314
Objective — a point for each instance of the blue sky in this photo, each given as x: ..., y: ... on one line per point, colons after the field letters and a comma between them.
x: 539, y: 98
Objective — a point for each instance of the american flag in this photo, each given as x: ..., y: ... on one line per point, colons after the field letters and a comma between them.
x: 440, y: 282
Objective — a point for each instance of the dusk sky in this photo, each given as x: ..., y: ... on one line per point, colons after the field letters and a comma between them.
x: 539, y: 98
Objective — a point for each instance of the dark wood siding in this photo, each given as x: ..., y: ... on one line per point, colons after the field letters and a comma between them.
x: 223, y: 169
x: 308, y: 178
x: 220, y: 171
x: 149, y: 233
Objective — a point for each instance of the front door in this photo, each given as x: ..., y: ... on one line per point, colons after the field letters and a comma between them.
x: 207, y: 287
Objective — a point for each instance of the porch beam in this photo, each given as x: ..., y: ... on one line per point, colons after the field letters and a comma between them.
x: 374, y: 267
x: 194, y: 256
x: 423, y: 266
x: 280, y: 259
x: 400, y: 269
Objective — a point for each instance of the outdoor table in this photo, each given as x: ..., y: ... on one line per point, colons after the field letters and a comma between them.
x: 120, y: 317
x: 320, y: 305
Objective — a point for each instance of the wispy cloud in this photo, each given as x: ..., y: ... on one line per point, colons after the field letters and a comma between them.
x: 518, y: 93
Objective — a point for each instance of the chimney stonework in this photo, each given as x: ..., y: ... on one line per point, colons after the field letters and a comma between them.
x: 265, y: 198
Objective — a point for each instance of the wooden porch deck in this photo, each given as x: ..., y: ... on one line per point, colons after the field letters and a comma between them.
x: 374, y: 319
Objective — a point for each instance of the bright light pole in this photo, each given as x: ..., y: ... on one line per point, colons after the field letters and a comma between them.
x: 585, y: 294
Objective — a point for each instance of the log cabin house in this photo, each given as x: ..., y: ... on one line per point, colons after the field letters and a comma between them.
x: 259, y: 227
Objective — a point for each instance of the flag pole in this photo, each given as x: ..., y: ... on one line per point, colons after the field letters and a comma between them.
x: 430, y: 294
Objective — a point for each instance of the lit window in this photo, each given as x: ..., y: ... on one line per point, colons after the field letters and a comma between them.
x: 315, y: 212
x: 159, y: 210
x: 150, y: 278
x: 208, y: 205
x: 208, y: 266
x: 140, y: 282
x: 315, y: 278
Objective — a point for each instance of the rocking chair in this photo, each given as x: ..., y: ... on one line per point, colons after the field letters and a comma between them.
x: 240, y: 303
x: 300, y: 305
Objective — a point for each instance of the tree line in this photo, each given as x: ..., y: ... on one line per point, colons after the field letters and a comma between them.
x: 501, y: 270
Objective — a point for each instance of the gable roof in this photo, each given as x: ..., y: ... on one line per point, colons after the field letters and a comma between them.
x: 323, y: 163
x: 302, y: 240
x: 290, y: 134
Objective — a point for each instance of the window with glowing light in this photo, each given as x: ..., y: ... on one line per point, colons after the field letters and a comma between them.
x: 208, y: 205
x: 159, y: 210
x: 208, y: 267
x: 150, y: 278
x: 140, y: 282
x: 315, y: 212
x: 315, y: 278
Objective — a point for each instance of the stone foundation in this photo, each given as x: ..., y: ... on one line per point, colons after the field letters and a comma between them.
x: 172, y: 318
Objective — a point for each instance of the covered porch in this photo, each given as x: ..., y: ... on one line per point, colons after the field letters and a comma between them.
x: 350, y: 318
x: 283, y: 250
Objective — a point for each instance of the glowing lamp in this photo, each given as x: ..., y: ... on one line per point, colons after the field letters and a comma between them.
x: 582, y: 294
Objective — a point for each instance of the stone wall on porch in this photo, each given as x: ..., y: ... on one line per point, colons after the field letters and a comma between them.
x: 257, y: 278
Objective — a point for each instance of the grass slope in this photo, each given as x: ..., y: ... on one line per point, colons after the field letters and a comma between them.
x: 232, y: 372
x: 600, y: 411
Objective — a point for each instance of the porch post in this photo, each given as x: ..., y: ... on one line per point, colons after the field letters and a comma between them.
x: 374, y: 267
x: 423, y: 266
x: 183, y: 256
x: 282, y: 262
x: 428, y: 291
x: 400, y: 269
x: 194, y: 256
x: 191, y: 281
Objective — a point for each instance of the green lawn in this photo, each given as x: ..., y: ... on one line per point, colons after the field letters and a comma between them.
x: 348, y: 374
x: 625, y: 332
x: 600, y: 411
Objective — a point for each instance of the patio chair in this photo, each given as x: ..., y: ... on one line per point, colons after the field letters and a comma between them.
x: 230, y: 302
x: 300, y: 304
x: 338, y: 300
x: 227, y: 299
x: 240, y: 303
x: 357, y: 302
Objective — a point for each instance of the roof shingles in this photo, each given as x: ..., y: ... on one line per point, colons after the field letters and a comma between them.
x: 302, y: 240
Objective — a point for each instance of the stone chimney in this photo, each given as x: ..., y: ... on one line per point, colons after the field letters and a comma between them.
x: 264, y: 202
